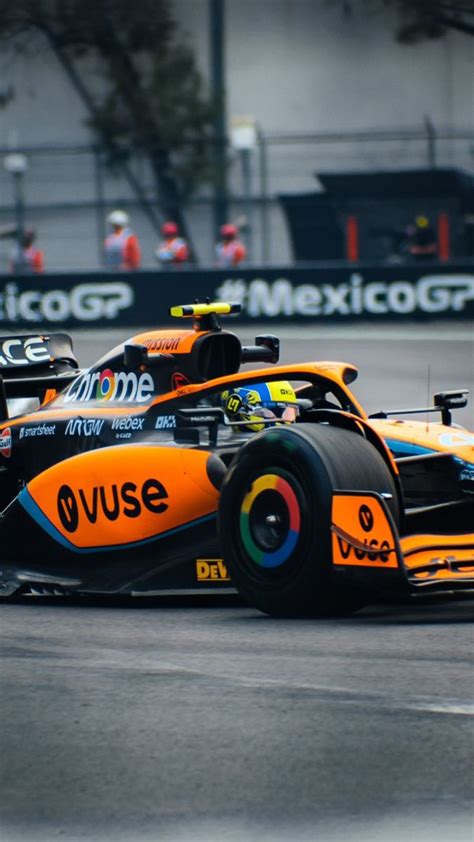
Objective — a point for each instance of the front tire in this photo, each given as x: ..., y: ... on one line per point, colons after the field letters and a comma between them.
x: 275, y: 516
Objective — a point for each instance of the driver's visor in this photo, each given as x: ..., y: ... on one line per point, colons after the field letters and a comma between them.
x: 281, y: 412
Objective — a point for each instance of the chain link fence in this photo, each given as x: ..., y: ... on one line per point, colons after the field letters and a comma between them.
x: 66, y: 191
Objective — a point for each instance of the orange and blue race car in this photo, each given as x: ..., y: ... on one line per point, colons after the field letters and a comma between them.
x: 166, y: 467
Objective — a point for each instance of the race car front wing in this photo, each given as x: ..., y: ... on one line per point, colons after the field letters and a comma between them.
x: 366, y: 546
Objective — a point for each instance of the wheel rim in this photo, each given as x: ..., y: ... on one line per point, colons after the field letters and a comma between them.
x: 270, y: 521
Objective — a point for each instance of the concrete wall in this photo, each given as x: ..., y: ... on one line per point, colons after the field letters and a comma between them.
x: 294, y: 65
x: 303, y: 65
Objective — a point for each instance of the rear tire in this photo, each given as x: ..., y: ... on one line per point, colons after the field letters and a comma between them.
x: 275, y: 516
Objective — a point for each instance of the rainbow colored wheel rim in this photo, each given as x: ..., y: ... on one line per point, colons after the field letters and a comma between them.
x: 286, y: 500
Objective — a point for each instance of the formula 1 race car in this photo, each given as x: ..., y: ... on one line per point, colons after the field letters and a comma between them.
x: 164, y: 467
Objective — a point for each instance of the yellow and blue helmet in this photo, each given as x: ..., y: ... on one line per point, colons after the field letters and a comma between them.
x: 261, y: 405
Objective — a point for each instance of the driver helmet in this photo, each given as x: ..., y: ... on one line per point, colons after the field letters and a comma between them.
x: 261, y: 405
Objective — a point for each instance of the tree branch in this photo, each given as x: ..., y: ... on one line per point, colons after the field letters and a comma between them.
x: 88, y: 101
x: 127, y: 79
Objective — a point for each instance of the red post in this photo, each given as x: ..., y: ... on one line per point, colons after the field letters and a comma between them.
x: 443, y: 237
x: 352, y: 239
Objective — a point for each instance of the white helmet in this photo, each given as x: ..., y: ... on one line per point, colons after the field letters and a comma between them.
x: 118, y: 217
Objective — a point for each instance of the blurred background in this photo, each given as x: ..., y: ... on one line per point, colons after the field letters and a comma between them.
x: 336, y: 139
x: 323, y: 131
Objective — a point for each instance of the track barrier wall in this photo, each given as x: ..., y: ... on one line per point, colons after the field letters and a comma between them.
x: 309, y: 294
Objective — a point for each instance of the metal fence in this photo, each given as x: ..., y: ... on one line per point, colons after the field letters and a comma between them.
x: 66, y: 190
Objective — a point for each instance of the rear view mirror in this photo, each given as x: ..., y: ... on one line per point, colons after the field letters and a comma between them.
x: 445, y: 401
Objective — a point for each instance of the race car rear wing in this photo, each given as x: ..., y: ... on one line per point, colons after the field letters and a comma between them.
x: 31, y: 365
x: 33, y: 387
x: 21, y: 354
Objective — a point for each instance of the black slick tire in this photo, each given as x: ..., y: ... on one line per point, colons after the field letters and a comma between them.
x: 275, y: 516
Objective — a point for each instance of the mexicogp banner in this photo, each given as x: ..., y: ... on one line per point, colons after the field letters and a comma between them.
x: 311, y: 294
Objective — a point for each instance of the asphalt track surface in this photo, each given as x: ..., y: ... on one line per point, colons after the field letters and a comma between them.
x: 179, y: 721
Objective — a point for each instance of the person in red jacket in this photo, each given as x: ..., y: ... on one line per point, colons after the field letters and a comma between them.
x: 230, y: 251
x: 121, y: 247
x: 28, y: 259
x: 173, y: 251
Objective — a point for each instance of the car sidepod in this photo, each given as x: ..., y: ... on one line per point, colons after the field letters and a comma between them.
x: 105, y: 518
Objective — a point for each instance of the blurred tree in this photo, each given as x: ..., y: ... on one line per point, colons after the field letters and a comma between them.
x: 148, y: 99
x: 420, y: 19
